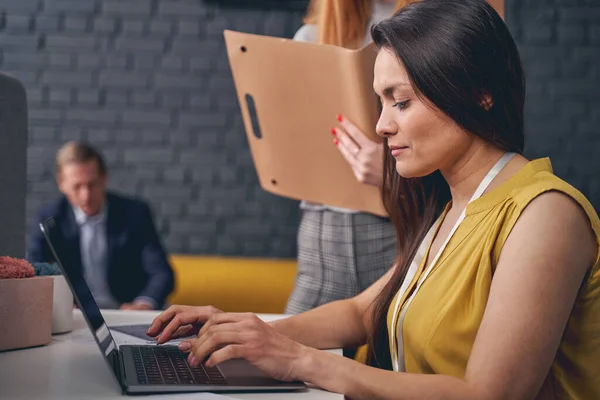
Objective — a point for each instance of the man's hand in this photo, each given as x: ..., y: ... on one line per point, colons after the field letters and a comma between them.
x: 140, y: 306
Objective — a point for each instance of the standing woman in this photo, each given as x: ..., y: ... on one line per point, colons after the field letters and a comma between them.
x: 341, y: 252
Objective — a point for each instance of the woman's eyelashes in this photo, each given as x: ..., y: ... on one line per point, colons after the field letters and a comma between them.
x: 401, y: 104
x: 398, y: 104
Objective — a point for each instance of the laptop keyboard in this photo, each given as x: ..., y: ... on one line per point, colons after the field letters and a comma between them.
x: 160, y: 365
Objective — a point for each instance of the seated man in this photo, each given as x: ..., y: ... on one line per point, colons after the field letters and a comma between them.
x: 109, y: 237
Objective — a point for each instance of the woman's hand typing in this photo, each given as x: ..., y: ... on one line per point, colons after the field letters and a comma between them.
x: 227, y: 336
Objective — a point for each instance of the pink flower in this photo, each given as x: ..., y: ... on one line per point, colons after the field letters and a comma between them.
x: 14, y: 268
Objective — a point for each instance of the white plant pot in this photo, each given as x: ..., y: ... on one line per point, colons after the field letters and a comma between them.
x: 62, y: 306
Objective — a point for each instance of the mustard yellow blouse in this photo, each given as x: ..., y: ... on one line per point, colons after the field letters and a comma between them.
x: 442, y: 321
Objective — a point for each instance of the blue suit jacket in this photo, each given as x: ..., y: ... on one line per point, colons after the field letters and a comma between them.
x: 137, y: 263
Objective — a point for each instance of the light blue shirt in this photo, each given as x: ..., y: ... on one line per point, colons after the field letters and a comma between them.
x: 94, y: 257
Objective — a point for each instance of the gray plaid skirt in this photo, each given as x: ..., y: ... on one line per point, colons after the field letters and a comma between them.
x: 339, y: 255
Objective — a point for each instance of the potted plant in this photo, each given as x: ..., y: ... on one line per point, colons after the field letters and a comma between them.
x: 25, y: 305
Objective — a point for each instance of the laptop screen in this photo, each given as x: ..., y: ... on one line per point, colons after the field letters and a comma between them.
x: 83, y: 296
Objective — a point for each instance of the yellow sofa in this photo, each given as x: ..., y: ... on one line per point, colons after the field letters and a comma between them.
x: 233, y: 284
x: 236, y: 284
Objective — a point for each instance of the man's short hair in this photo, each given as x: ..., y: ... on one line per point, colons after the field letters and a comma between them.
x: 79, y: 153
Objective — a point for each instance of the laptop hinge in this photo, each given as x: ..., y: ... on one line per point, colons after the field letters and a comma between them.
x: 116, y: 359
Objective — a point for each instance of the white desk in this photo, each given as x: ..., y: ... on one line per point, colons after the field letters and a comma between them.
x: 72, y: 367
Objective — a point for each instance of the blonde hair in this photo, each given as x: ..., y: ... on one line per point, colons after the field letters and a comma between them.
x: 343, y: 22
x: 78, y: 153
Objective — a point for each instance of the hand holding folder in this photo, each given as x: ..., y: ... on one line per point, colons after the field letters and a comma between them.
x: 290, y: 94
x: 364, y: 156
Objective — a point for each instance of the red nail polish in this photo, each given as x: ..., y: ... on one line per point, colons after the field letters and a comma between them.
x: 335, y: 141
x: 333, y: 132
x: 339, y: 117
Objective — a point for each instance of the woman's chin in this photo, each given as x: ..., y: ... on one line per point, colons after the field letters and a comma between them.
x: 405, y: 174
x: 405, y: 171
x: 410, y: 171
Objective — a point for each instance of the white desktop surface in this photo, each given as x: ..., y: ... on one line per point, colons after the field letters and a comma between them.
x: 72, y: 367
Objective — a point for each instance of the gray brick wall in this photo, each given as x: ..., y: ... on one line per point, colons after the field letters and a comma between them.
x: 148, y: 82
x: 559, y: 41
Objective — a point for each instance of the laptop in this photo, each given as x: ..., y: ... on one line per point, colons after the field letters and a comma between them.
x: 155, y: 369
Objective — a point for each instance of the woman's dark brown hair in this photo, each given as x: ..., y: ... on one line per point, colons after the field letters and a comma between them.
x: 462, y: 60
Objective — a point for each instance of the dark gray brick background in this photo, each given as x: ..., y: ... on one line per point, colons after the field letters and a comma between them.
x: 148, y: 82
x: 559, y: 42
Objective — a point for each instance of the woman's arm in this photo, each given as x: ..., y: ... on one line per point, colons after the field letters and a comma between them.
x: 340, y: 323
x: 539, y: 273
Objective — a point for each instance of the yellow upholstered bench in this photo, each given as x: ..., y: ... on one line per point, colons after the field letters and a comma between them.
x: 233, y: 284
x: 236, y: 284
